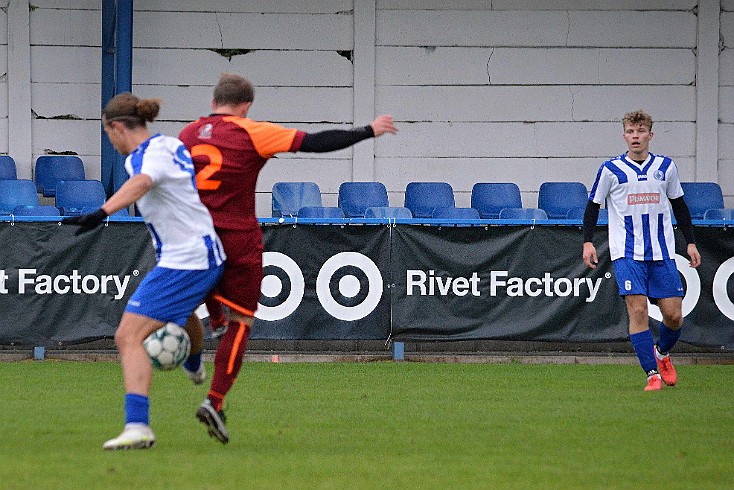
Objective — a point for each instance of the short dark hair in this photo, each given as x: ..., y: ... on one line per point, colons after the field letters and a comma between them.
x: 637, y: 117
x: 233, y: 90
x: 131, y: 110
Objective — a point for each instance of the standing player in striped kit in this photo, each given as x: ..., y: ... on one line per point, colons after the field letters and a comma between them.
x: 229, y: 150
x: 640, y: 188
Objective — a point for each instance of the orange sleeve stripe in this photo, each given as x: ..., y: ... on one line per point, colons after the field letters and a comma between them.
x: 232, y: 305
x: 268, y: 138
x: 237, y: 341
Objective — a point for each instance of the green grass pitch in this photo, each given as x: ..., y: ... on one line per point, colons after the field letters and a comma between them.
x: 375, y: 425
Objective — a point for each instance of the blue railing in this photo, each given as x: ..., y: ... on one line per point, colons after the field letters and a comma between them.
x: 376, y: 221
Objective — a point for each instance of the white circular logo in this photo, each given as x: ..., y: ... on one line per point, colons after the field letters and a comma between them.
x: 349, y: 286
x: 272, y: 286
x: 693, y: 289
x: 721, y: 298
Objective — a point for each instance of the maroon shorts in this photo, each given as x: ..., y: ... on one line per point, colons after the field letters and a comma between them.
x: 239, y: 287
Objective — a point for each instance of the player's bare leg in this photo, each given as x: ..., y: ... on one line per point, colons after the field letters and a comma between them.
x: 137, y: 373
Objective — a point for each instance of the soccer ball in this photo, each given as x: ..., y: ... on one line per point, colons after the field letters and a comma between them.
x: 168, y: 347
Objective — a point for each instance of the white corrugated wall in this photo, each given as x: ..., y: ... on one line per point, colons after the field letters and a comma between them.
x: 503, y: 90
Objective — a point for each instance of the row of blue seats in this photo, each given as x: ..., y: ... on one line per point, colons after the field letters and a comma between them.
x: 59, y: 176
x: 63, y: 177
x: 49, y: 171
x: 20, y: 197
x: 556, y: 200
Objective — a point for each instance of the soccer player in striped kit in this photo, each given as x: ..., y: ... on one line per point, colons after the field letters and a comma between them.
x: 229, y: 150
x: 188, y: 252
x: 640, y: 189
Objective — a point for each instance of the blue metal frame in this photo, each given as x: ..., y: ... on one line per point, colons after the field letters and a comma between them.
x: 382, y: 221
x: 117, y: 54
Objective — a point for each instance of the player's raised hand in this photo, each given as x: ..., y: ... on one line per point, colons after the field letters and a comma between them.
x: 87, y: 221
x: 383, y: 124
x: 589, y: 255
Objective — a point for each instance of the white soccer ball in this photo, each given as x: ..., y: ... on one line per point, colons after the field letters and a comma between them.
x: 168, y: 347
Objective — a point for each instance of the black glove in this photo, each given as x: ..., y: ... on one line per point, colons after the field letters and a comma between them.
x: 87, y: 221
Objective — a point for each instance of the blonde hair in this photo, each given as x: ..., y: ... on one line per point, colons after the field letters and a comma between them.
x: 636, y: 118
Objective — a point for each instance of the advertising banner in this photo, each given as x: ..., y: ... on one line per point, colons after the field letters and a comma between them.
x: 57, y: 287
x: 364, y: 282
x: 530, y: 283
x: 324, y: 282
x: 707, y: 305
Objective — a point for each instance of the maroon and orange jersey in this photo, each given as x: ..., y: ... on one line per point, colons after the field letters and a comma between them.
x: 228, y: 153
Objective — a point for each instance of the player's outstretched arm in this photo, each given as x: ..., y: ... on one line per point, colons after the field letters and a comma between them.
x: 131, y: 191
x: 337, y: 139
x: 383, y: 124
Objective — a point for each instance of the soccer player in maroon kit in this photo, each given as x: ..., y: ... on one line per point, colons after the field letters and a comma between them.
x: 229, y: 150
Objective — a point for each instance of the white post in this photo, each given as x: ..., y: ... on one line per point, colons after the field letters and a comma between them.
x: 707, y: 92
x: 363, y: 156
x: 20, y: 145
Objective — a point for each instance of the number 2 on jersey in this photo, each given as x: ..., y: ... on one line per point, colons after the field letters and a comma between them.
x: 203, y: 180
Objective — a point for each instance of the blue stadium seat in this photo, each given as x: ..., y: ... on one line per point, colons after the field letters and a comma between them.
x: 523, y: 213
x: 7, y: 167
x: 320, y: 212
x: 397, y: 212
x: 356, y: 197
x: 18, y: 192
x: 52, y: 169
x: 72, y: 196
x: 36, y: 211
x: 578, y: 214
x: 455, y: 213
x: 289, y: 197
x: 722, y: 214
x: 701, y: 196
x: 423, y: 197
x: 557, y: 198
x: 489, y: 198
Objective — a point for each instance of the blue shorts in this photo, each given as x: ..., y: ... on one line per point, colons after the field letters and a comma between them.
x: 171, y: 295
x: 652, y: 278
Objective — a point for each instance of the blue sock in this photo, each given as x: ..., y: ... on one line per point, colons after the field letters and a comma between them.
x: 644, y: 345
x: 193, y: 363
x: 136, y: 408
x: 668, y: 338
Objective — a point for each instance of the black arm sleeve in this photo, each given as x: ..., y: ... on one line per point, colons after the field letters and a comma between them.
x: 591, y: 214
x: 683, y: 216
x: 335, y: 139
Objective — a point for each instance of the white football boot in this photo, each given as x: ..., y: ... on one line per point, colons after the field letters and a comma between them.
x: 133, y: 436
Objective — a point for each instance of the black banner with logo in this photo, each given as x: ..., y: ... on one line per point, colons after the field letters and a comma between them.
x: 324, y: 282
x: 366, y: 282
x: 707, y: 306
x: 529, y: 283
x: 57, y: 287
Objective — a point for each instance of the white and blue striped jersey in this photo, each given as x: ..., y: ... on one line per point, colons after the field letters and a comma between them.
x: 181, y: 227
x: 637, y: 196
